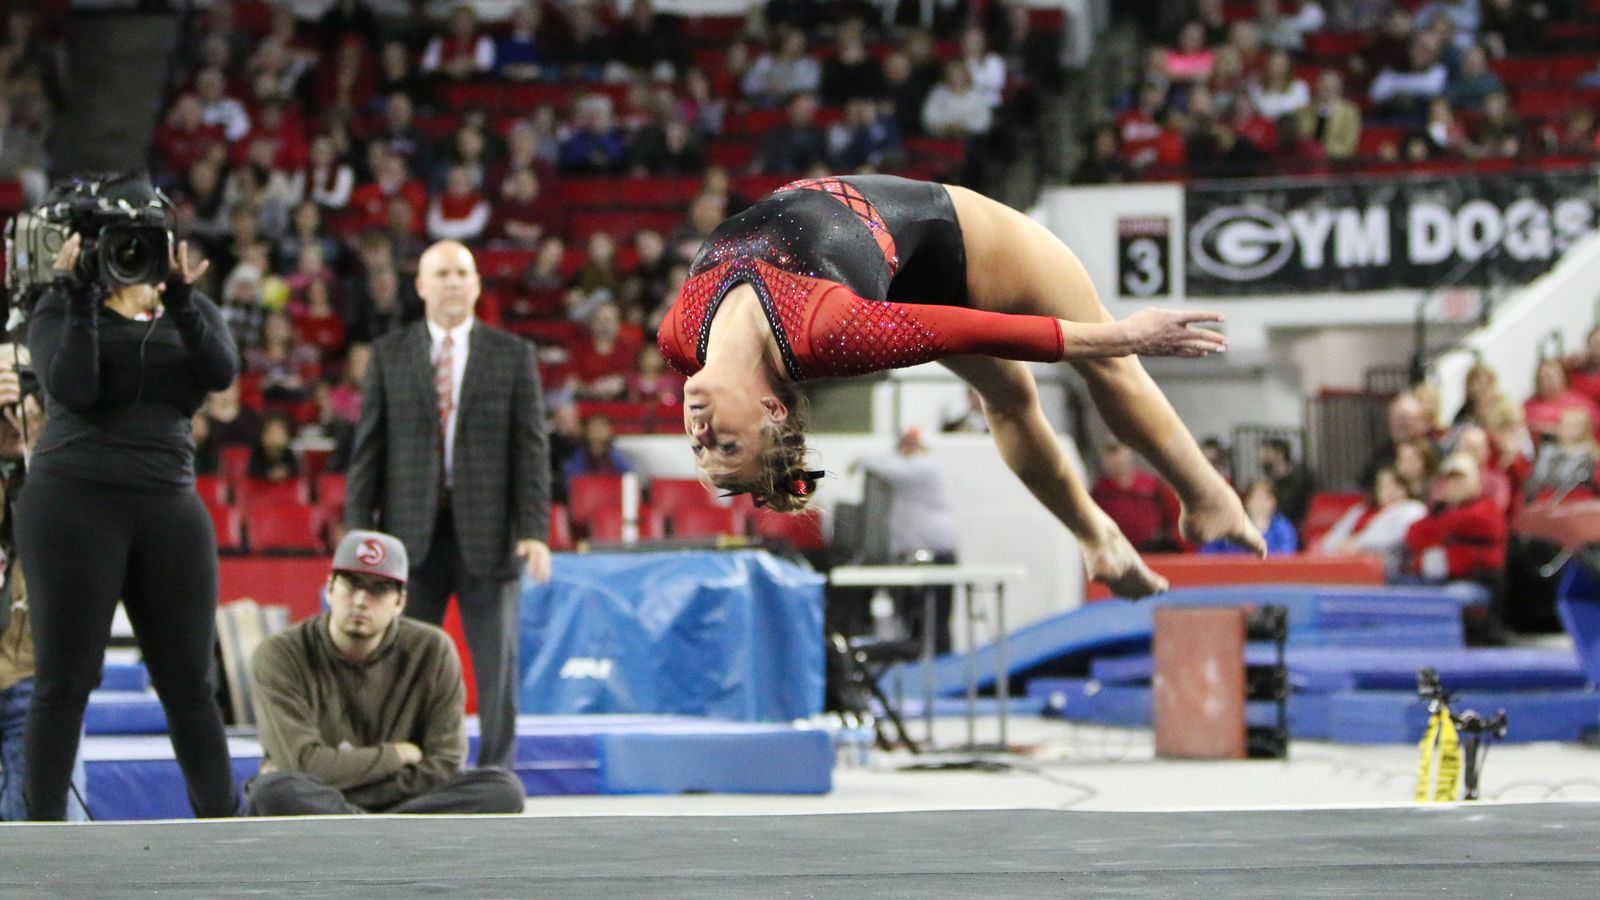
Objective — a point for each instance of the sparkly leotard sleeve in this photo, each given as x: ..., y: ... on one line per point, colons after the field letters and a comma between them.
x: 823, y: 327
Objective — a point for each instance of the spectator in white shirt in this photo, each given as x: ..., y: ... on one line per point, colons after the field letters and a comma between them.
x: 1407, y: 92
x: 988, y: 70
x: 217, y: 108
x: 1280, y: 92
x: 1379, y: 524
x: 776, y: 76
x: 955, y: 108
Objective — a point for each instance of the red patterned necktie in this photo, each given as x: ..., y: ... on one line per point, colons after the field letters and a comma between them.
x: 444, y: 383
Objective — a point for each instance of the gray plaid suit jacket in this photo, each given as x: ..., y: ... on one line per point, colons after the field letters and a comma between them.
x: 502, y: 468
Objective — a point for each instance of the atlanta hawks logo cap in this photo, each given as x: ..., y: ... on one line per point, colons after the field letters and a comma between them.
x: 372, y: 553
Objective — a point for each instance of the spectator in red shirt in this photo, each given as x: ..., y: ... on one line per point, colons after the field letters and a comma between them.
x: 459, y: 213
x: 369, y: 203
x: 524, y: 214
x: 602, y: 361
x: 1493, y: 485
x: 462, y: 52
x: 184, y: 136
x: 1464, y: 535
x: 652, y: 382
x: 1551, y: 398
x: 1144, y: 509
x: 285, y: 367
x: 319, y: 325
x: 1512, y: 448
x: 1140, y: 126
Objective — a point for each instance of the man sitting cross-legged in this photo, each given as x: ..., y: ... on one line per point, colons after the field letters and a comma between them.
x: 361, y: 710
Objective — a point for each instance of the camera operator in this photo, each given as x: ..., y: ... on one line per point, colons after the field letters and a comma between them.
x: 110, y: 509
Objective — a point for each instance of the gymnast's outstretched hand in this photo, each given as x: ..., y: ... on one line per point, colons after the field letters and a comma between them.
x: 1112, y: 561
x: 1170, y: 332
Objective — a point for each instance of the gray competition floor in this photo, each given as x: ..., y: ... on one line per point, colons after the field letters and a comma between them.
x: 1493, y: 850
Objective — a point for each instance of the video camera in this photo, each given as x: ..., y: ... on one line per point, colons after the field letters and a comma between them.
x: 126, y: 238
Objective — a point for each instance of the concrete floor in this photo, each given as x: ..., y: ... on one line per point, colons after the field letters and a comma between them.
x: 1069, y: 766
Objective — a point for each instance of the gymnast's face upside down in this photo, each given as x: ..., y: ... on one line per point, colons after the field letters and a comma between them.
x: 728, y: 424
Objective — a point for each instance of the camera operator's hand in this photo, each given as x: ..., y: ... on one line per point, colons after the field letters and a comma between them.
x: 67, y: 257
x: 183, y: 268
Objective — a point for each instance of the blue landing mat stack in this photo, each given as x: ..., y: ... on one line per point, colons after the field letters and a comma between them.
x: 136, y: 777
x: 1353, y: 658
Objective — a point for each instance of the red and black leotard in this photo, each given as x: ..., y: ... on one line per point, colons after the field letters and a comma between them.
x: 855, y: 275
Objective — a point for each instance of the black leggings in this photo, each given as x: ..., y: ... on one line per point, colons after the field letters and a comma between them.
x: 84, y: 546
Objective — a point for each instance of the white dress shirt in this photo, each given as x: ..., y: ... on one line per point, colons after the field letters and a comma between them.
x: 458, y: 352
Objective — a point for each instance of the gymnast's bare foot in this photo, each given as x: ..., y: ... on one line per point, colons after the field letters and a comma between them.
x: 1221, y: 517
x: 1112, y: 561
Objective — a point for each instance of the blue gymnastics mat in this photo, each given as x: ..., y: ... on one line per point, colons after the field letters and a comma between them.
x: 1349, y: 717
x: 124, y: 712
x: 1324, y: 670
x: 1064, y: 644
x: 136, y: 777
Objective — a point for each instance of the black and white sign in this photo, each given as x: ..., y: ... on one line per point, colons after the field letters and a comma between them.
x: 1373, y: 234
x: 1144, y: 257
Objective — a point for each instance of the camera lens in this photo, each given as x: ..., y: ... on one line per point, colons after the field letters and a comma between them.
x: 129, y: 257
x: 134, y: 254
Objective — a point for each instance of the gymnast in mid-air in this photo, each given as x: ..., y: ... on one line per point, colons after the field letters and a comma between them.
x: 843, y: 276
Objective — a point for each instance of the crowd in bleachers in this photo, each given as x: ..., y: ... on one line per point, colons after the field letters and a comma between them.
x: 1285, y: 87
x: 582, y: 152
x: 31, y: 70
x: 1439, y: 497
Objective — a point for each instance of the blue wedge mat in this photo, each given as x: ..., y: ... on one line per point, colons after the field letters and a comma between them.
x: 1385, y: 717
x: 136, y: 777
x: 1327, y: 670
x: 1085, y: 700
x: 125, y: 676
x: 1349, y: 717
x: 124, y: 712
x: 1070, y: 639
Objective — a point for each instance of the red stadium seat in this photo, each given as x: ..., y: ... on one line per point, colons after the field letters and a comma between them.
x: 227, y: 523
x: 235, y: 462
x: 590, y: 495
x: 1325, y: 509
x: 506, y: 264
x: 1517, y: 71
x: 668, y: 495
x: 803, y: 530
x: 260, y: 492
x: 330, y: 495
x: 606, y: 525
x: 213, y: 489
x: 560, y: 528
x: 1335, y: 46
x: 1374, y: 137
x: 620, y: 224
x: 284, y: 528
x: 707, y: 521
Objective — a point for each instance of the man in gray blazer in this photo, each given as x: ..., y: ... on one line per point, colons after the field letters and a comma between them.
x: 451, y: 457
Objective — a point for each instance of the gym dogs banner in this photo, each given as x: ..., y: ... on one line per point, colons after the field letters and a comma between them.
x: 1372, y: 234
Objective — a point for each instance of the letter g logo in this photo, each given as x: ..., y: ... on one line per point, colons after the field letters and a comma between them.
x: 1240, y: 243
